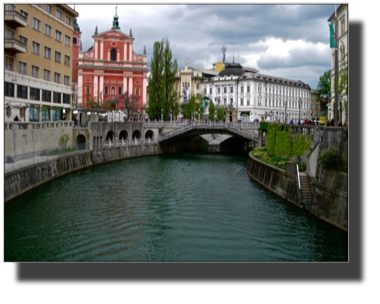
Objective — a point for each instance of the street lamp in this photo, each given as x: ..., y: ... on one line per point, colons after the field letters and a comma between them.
x: 299, y: 116
x: 285, y: 105
x: 162, y: 114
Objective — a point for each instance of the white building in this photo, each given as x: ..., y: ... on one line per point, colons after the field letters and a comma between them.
x: 252, y: 96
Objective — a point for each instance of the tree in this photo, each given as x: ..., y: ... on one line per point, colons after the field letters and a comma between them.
x: 64, y: 139
x: 162, y: 95
x: 156, y: 82
x: 211, y: 111
x: 131, y: 102
x: 191, y: 107
x: 220, y: 114
x: 324, y: 89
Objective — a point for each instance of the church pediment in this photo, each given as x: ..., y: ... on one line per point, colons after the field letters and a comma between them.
x: 113, y: 33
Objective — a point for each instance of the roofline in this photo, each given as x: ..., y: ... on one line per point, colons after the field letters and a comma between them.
x: 96, y: 67
x: 75, y: 13
x: 333, y: 15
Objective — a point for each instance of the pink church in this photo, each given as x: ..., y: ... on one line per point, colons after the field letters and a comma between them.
x: 110, y: 68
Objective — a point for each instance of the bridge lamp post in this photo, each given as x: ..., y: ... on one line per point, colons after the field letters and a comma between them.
x: 171, y: 115
x: 162, y: 114
x: 299, y: 116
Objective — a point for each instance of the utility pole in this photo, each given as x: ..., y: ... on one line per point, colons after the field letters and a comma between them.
x: 336, y: 117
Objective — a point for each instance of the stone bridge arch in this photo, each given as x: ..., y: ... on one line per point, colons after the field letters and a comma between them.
x: 149, y: 134
x: 123, y: 135
x: 136, y: 134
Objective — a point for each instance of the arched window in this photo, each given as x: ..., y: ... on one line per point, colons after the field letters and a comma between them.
x: 74, y: 40
x: 113, y: 54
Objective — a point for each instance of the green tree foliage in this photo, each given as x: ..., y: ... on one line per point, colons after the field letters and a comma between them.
x: 162, y: 94
x: 220, y: 114
x: 156, y: 82
x: 191, y: 107
x: 324, y: 89
x: 281, y: 144
x: 332, y: 158
x: 131, y: 102
x: 64, y: 139
x: 211, y: 111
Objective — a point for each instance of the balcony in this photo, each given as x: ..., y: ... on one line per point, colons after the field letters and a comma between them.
x: 13, y: 45
x: 15, y: 19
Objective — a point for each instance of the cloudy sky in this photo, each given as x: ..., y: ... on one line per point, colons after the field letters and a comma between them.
x: 290, y: 41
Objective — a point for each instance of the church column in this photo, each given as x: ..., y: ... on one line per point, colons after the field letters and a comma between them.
x: 130, y: 52
x: 96, y: 88
x: 101, y: 88
x: 125, y: 84
x: 96, y: 49
x: 101, y: 50
x: 125, y: 51
x: 108, y: 53
x: 130, y: 85
x: 80, y: 89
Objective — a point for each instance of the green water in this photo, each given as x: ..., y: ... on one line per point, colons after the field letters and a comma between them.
x: 178, y: 207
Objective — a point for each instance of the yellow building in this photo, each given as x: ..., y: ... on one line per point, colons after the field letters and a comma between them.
x: 315, y: 106
x: 38, y: 50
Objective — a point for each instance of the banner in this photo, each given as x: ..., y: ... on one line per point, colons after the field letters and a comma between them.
x: 332, y: 36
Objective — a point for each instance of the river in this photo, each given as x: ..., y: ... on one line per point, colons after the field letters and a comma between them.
x: 179, y: 207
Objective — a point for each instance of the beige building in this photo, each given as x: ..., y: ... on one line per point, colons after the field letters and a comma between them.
x: 38, y: 50
x: 315, y: 106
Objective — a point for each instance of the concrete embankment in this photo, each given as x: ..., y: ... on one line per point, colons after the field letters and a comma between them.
x: 329, y: 199
x: 24, y: 179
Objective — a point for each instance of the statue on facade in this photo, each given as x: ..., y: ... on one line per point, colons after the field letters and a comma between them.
x: 186, y: 60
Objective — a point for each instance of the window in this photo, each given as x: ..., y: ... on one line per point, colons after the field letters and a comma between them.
x: 10, y: 7
x: 231, y: 89
x: 106, y: 91
x: 248, y: 89
x: 317, y: 107
x: 35, y: 48
x: 22, y: 92
x: 113, y: 54
x: 67, y: 60
x: 9, y: 111
x: 49, y: 8
x: 248, y: 102
x: 66, y: 98
x: 67, y: 40
x: 66, y: 80
x: 25, y: 14
x: 241, y: 89
x: 74, y: 40
x: 35, y: 71
x: 58, y: 35
x: 24, y: 40
x: 45, y: 115
x: 34, y: 94
x: 56, y: 97
x: 33, y: 114
x: 58, y: 14
x: 22, y: 113
x: 47, y: 75
x: 36, y: 24
x: 56, y: 115
x: 218, y: 90
x: 57, y: 77
x: 197, y: 86
x: 68, y: 20
x: 9, y: 89
x: 210, y: 90
x: 241, y: 101
x: 9, y: 34
x: 48, y: 30
x: 57, y: 56
x: 137, y: 91
x: 205, y: 91
x: 225, y: 89
x: 231, y: 101
x: 119, y: 90
x: 46, y: 95
x: 312, y: 106
x: 342, y: 26
x: 22, y: 68
x: 9, y: 63
x: 47, y: 52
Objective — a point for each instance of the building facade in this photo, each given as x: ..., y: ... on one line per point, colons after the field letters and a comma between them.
x: 315, y: 105
x: 250, y: 96
x: 38, y: 52
x: 342, y: 36
x: 110, y: 68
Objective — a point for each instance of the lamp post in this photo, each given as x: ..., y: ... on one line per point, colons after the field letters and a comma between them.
x: 162, y: 114
x: 340, y: 107
x: 171, y: 115
x: 285, y: 104
x: 299, y: 116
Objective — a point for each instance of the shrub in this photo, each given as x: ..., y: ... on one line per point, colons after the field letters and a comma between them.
x: 332, y: 158
x: 263, y: 125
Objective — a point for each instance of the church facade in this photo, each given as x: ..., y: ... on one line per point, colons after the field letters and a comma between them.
x: 110, y: 68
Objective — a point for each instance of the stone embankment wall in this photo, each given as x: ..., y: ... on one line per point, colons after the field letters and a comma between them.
x: 26, y: 178
x: 273, y: 178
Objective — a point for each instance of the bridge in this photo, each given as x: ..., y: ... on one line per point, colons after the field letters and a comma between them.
x: 171, y: 131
